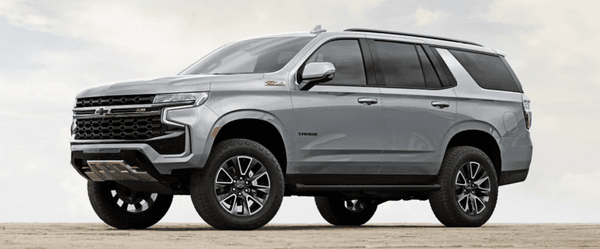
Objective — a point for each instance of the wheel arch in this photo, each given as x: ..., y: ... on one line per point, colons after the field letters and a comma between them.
x: 479, y: 135
x: 255, y: 125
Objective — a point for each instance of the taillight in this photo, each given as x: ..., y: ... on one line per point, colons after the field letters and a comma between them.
x: 527, y: 113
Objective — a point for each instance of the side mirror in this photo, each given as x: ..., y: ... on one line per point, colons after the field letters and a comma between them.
x: 315, y: 73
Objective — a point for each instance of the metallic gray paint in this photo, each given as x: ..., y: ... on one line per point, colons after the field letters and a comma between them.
x: 170, y: 84
x: 401, y: 134
x: 473, y: 113
x: 349, y: 133
x: 415, y: 129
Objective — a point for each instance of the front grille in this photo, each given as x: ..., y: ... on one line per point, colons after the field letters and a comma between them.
x: 142, y: 127
x: 115, y: 100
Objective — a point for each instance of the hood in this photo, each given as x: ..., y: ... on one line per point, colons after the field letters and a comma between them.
x: 170, y: 84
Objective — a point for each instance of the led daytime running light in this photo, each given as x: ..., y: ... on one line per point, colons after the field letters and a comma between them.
x: 198, y: 97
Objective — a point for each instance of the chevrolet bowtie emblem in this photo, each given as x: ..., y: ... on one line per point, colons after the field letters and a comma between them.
x: 101, y: 111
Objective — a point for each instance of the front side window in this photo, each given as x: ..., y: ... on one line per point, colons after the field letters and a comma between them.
x: 345, y: 55
x: 261, y: 55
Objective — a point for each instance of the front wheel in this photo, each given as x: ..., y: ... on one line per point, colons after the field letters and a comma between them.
x: 340, y: 212
x: 124, y: 208
x: 469, y: 188
x: 241, y: 186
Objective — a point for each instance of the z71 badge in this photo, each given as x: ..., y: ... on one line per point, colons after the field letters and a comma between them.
x: 274, y: 83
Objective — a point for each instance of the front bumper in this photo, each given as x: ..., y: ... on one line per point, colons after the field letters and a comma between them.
x: 197, y: 121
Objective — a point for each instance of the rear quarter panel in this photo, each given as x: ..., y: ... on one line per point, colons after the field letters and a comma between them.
x: 499, y: 113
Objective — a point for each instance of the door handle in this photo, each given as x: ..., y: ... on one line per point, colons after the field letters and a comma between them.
x: 440, y: 104
x: 367, y: 101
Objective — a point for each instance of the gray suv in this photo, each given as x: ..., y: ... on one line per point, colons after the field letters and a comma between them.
x: 353, y: 118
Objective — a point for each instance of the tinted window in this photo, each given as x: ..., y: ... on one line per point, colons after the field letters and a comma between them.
x: 260, y: 55
x: 347, y: 59
x: 487, y: 70
x: 431, y: 78
x: 399, y: 64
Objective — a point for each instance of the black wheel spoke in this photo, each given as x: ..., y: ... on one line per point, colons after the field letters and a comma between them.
x: 265, y: 190
x: 224, y: 197
x: 149, y: 200
x: 474, y: 168
x: 138, y: 207
x: 259, y: 174
x: 223, y: 177
x: 245, y: 207
x: 243, y: 163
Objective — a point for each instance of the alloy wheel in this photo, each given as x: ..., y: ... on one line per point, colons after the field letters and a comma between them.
x: 355, y: 206
x: 131, y: 201
x: 473, y: 188
x: 242, y: 185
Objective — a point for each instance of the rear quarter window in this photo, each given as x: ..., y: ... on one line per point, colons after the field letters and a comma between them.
x: 487, y: 70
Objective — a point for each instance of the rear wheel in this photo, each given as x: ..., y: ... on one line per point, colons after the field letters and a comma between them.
x: 469, y: 188
x: 338, y: 211
x: 124, y: 208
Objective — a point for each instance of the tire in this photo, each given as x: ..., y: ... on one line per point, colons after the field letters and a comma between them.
x: 341, y: 212
x: 466, y: 199
x: 226, y: 202
x: 123, y: 208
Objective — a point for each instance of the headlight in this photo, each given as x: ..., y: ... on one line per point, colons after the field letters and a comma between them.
x: 198, y: 97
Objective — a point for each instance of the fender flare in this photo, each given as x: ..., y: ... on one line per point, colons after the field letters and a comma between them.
x: 247, y: 114
x: 472, y: 125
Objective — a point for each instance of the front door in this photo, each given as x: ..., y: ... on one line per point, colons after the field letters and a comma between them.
x: 338, y: 123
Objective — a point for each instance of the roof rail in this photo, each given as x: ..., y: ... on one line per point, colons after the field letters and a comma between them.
x: 410, y: 34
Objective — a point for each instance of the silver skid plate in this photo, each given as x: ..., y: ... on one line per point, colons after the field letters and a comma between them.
x: 116, y: 170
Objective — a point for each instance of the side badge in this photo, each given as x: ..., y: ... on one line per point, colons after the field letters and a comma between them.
x: 311, y: 134
x: 274, y: 83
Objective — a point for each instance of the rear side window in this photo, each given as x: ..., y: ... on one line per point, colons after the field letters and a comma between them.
x: 487, y: 70
x: 398, y: 65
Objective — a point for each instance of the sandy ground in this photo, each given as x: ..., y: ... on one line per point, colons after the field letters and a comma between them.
x: 172, y: 235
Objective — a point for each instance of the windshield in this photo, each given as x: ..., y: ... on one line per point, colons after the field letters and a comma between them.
x: 261, y: 55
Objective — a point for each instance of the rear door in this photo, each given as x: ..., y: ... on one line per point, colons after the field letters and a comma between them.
x: 419, y: 108
x: 339, y: 123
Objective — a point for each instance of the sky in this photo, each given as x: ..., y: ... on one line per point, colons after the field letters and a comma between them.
x: 51, y: 50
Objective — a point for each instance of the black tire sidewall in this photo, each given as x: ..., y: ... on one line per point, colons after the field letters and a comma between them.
x: 226, y: 220
x: 108, y: 211
x: 478, y: 219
